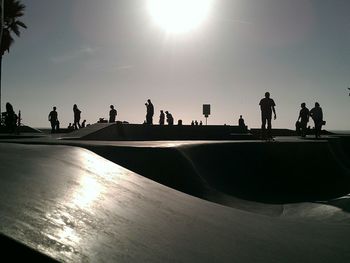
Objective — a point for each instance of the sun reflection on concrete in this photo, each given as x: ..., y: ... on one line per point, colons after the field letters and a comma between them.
x: 88, y: 192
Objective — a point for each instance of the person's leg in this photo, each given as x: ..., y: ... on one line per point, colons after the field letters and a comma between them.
x: 263, y: 126
x: 269, y: 126
x: 303, y: 128
x: 316, y: 129
x: 319, y: 127
x: 52, y: 126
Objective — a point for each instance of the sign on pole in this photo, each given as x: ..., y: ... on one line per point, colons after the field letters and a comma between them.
x: 206, y: 112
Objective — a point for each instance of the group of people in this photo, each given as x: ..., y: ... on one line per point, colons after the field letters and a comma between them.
x: 53, y: 119
x: 167, y: 116
x: 304, y: 115
x: 267, y: 107
x: 196, y: 123
x: 55, y: 123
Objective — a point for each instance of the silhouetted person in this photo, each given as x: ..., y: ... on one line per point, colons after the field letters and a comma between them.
x: 241, y: 123
x: 150, y: 112
x: 53, y: 119
x: 267, y: 106
x: 83, y: 124
x: 169, y: 118
x: 112, y: 114
x: 196, y: 122
x: 10, y: 118
x: 317, y: 115
x: 304, y: 115
x: 161, y: 118
x: 77, y: 113
x: 179, y: 122
x: 200, y: 123
x: 192, y: 123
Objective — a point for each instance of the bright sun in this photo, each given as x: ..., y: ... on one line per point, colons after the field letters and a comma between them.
x: 178, y: 16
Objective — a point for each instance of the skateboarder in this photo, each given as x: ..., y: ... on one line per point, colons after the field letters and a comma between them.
x: 267, y: 106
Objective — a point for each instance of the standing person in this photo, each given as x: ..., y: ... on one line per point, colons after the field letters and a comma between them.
x: 161, y: 118
x: 169, y: 118
x: 10, y: 118
x: 53, y: 119
x: 304, y: 115
x: 267, y: 106
x: 77, y: 113
x: 150, y: 112
x: 112, y: 114
x: 317, y: 115
x: 241, y: 123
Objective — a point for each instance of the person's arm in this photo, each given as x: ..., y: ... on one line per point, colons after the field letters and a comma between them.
x: 274, y: 112
x: 49, y: 117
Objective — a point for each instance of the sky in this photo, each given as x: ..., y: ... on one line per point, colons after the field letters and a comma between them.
x: 97, y: 53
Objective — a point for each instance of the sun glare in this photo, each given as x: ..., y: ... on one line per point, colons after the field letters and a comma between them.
x: 178, y: 16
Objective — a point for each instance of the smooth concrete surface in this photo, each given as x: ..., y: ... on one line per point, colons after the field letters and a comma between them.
x: 75, y: 206
x: 133, y: 132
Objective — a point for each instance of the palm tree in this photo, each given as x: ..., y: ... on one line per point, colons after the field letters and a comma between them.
x: 11, y: 10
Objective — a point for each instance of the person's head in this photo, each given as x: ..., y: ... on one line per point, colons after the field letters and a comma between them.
x: 267, y: 94
x: 317, y: 104
x: 54, y: 108
x: 9, y: 107
x: 240, y: 116
x: 112, y: 107
x: 161, y: 111
x: 303, y: 105
x: 149, y: 101
x: 167, y: 112
x: 75, y: 106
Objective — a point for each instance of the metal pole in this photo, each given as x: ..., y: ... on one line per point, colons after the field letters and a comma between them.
x: 1, y: 31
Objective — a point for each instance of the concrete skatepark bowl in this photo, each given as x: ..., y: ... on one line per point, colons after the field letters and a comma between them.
x: 258, y: 202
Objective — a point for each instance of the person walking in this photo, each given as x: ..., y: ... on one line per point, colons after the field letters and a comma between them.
x: 267, y: 106
x: 317, y: 116
x: 161, y: 117
x: 53, y: 119
x: 304, y: 115
x: 77, y: 114
x: 112, y: 114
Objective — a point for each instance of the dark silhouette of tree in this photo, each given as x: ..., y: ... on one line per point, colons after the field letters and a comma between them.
x: 12, y: 10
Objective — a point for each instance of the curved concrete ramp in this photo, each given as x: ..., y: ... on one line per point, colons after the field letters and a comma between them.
x: 277, y: 173
x: 75, y: 206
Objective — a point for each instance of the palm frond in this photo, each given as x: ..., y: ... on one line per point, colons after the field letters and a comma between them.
x: 13, y: 9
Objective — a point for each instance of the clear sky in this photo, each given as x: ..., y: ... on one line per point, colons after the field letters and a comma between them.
x: 96, y: 53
